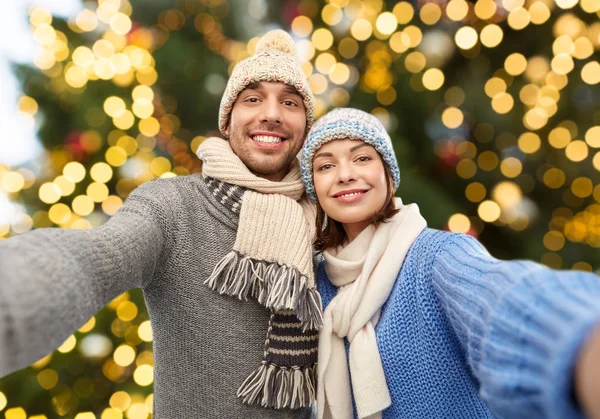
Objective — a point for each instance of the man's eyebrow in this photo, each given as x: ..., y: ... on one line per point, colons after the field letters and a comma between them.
x: 254, y: 86
x: 292, y: 90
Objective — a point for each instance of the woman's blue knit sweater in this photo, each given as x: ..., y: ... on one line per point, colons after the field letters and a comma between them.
x: 465, y: 335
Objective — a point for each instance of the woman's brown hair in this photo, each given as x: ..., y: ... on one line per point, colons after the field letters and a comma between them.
x: 333, y: 233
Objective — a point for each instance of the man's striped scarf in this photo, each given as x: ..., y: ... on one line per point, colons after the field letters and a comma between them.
x: 271, y: 261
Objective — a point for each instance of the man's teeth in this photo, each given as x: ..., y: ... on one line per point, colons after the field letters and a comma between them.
x: 267, y: 139
x: 350, y: 194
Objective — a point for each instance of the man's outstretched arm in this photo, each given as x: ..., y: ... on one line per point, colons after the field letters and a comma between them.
x: 53, y: 280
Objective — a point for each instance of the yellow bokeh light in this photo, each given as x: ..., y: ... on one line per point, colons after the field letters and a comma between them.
x: 143, y: 108
x: 15, y: 413
x: 592, y: 136
x: 535, y: 119
x: 88, y: 326
x: 149, y: 126
x: 596, y: 164
x: 452, y: 117
x: 83, y: 205
x: 485, y: 9
x: 562, y: 64
x: 127, y: 311
x: 160, y: 165
x: 83, y: 57
x: 566, y: 4
x: 529, y: 142
x: 340, y: 73
x: 415, y: 35
x: 68, y: 345
x: 111, y: 205
x: 101, y: 172
x: 114, y: 106
x: 116, y: 156
x: 415, y: 62
x: 66, y: 185
x: 511, y: 167
x: 507, y: 194
x: 124, y: 121
x: 488, y: 211
x: 120, y: 401
x: 583, y: 48
x: 38, y: 16
x: 318, y: 83
x: 582, y: 187
x: 76, y: 77
x: 325, y: 62
x: 466, y: 37
x: 459, y: 223
x: 103, y: 49
x: 49, y: 193
x: 121, y: 64
x: 120, y: 23
x: 145, y: 331
x: 457, y: 10
x: 348, y: 47
x: 529, y: 94
x: 13, y: 182
x: 563, y: 45
x: 386, y: 23
x: 495, y: 86
x: 87, y: 20
x: 538, y: 68
x: 404, y: 12
x: 433, y: 79
x: 332, y: 14
x: 302, y: 26
x: 519, y: 18
x: 45, y: 34
x: 559, y: 137
x: 59, y: 213
x: 361, y: 29
x: 97, y: 192
x: 590, y: 73
x: 322, y: 39
x: 430, y: 13
x: 502, y: 103
x: 554, y: 178
x: 75, y: 171
x: 466, y: 168
x: 3, y: 401
x: 554, y: 240
x: 475, y: 192
x: 142, y: 92
x: 491, y: 36
x: 143, y: 375
x: 590, y: 6
x: 147, y: 76
x: 487, y: 161
x: 539, y: 13
x: 124, y: 355
x: 515, y: 64
x: 577, y: 151
x: 511, y: 5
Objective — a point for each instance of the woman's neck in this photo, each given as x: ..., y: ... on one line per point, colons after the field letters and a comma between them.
x: 354, y: 229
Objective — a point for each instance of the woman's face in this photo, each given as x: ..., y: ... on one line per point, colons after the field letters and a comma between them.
x: 350, y: 182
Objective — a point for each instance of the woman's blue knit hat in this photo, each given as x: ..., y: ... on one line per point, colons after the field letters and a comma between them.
x: 347, y: 123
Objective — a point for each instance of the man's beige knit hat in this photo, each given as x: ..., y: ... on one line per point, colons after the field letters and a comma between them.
x: 274, y: 60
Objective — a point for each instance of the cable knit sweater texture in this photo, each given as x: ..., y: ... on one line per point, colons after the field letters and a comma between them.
x: 465, y: 335
x: 166, y: 239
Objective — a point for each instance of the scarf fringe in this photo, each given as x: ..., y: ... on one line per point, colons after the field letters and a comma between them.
x: 280, y: 387
x: 275, y: 286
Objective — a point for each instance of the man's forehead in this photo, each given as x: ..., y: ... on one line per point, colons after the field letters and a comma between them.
x: 284, y: 88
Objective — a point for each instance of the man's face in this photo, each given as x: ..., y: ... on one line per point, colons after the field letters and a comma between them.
x: 267, y: 127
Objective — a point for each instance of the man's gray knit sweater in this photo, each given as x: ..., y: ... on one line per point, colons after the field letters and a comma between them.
x: 166, y: 239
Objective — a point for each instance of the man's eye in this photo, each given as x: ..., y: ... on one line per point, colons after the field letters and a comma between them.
x: 289, y: 103
x: 252, y: 100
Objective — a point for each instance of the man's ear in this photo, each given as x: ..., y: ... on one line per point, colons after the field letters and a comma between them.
x: 226, y: 131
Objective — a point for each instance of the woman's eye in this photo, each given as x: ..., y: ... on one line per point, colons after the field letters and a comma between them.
x: 363, y: 158
x: 324, y: 167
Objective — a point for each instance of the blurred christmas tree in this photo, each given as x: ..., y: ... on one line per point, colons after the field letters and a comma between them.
x: 493, y: 107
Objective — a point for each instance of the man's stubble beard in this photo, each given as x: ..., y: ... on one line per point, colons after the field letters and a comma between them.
x: 261, y: 165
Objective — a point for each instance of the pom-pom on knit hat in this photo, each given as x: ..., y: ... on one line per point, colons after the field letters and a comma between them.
x: 274, y: 60
x: 347, y: 123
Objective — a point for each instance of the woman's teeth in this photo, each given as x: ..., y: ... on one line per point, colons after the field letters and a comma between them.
x: 267, y: 139
x: 350, y: 194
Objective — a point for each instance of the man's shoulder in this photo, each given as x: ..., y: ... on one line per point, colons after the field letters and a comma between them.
x: 164, y: 188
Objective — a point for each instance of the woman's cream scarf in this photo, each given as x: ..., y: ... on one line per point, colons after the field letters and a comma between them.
x: 271, y: 261
x: 365, y: 271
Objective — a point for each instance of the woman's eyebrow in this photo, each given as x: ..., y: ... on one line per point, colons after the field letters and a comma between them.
x: 324, y: 154
x: 356, y: 147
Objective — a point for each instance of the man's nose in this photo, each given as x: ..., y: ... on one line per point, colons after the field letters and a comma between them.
x: 271, y: 111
